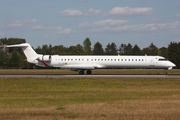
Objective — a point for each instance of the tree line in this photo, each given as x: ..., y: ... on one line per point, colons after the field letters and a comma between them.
x: 14, y: 57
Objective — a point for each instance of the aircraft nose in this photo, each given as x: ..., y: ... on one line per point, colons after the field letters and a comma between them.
x: 171, y: 64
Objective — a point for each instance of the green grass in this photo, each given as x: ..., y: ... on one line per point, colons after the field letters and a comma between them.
x: 46, y: 92
x: 66, y: 98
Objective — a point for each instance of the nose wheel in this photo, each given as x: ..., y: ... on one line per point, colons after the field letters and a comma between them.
x: 165, y: 71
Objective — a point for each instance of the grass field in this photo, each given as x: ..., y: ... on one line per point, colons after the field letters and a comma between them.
x: 89, y: 98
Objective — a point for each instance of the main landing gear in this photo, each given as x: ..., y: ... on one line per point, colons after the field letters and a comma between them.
x: 81, y: 72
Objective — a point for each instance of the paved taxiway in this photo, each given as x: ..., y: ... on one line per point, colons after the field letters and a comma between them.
x: 90, y: 76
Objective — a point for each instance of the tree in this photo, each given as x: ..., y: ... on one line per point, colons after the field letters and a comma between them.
x: 79, y: 49
x: 111, y: 49
x: 122, y: 49
x: 108, y: 49
x: 151, y: 50
x: 59, y: 50
x: 174, y: 53
x: 3, y: 59
x: 87, y: 46
x: 45, y: 50
x: 128, y: 49
x: 14, y: 61
x: 98, y: 50
x: 163, y: 52
x: 38, y: 50
x: 76, y: 50
x: 136, y: 50
x: 12, y: 41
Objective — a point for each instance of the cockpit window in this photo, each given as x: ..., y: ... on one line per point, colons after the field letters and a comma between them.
x: 162, y: 59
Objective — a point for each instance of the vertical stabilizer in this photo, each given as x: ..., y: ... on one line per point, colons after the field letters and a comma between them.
x: 27, y: 49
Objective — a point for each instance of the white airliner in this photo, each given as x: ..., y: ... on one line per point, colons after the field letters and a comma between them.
x: 89, y: 63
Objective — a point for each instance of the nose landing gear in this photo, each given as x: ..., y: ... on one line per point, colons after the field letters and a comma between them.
x: 165, y: 71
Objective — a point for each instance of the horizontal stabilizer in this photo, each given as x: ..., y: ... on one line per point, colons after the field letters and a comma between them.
x: 19, y: 45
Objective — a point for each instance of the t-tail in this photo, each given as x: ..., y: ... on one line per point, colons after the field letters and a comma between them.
x: 29, y: 52
x: 32, y: 56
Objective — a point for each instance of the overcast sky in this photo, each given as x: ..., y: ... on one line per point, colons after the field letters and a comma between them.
x: 70, y: 22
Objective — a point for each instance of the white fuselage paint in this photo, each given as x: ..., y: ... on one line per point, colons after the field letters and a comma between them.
x: 103, y: 62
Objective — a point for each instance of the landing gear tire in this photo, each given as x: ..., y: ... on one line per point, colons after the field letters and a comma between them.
x: 81, y: 72
x: 165, y: 71
x: 89, y: 72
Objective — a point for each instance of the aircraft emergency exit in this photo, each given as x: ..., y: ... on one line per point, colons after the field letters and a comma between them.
x: 88, y: 63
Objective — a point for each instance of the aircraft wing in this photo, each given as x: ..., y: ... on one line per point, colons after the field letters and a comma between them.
x: 79, y: 67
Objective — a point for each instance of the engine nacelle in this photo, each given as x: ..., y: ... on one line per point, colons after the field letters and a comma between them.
x: 45, y: 58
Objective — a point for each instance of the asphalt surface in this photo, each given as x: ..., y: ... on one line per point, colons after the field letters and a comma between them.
x: 90, y: 76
